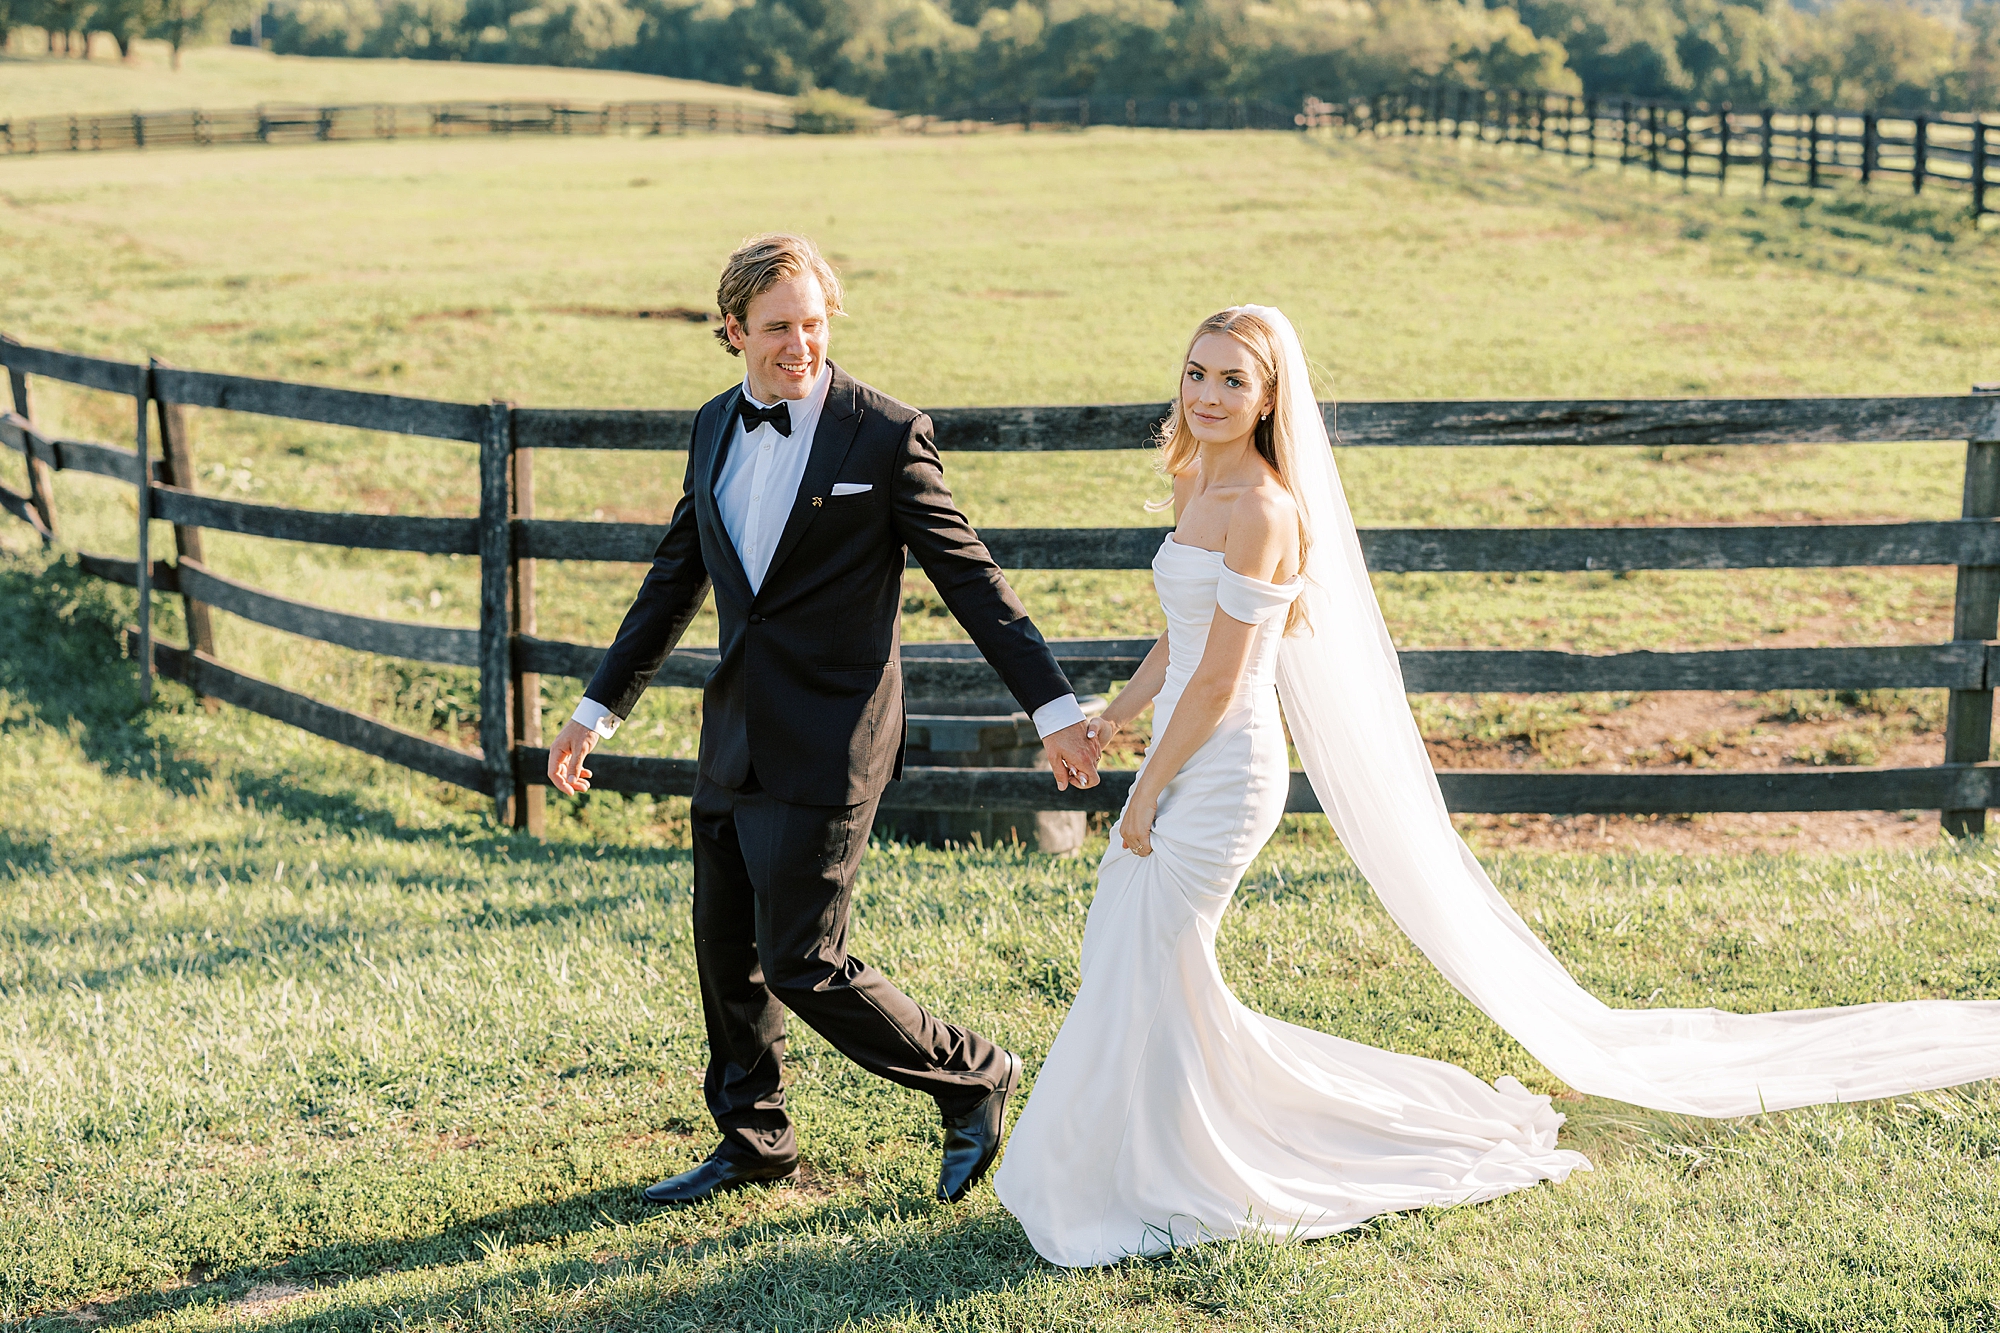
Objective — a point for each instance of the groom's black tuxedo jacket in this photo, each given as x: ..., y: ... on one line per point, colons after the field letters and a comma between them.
x: 809, y: 690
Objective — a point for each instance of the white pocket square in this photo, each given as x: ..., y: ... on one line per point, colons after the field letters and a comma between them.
x: 851, y: 487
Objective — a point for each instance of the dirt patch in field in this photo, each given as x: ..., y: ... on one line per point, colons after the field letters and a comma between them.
x: 266, y: 1298
x: 685, y: 313
x: 1822, y: 831
x: 680, y: 312
x: 1704, y: 732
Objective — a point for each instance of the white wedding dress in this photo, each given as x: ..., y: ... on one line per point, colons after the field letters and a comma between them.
x: 1166, y: 1111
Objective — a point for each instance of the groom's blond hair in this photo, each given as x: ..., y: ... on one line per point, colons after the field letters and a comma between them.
x: 761, y: 263
x: 1275, y: 435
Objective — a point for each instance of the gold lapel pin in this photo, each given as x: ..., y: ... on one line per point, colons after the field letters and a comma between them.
x: 816, y: 504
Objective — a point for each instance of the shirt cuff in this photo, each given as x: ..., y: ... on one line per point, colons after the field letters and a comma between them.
x: 1054, y: 715
x: 604, y: 722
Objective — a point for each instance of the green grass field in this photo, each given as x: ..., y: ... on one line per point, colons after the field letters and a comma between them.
x: 994, y: 269
x: 215, y: 77
x: 292, y: 1039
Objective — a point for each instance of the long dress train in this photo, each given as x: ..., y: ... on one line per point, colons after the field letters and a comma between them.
x: 1167, y: 1112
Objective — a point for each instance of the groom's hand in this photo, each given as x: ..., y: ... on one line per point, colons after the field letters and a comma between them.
x: 572, y: 745
x: 1072, y: 756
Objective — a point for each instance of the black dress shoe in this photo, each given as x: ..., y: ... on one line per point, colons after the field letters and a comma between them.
x: 717, y: 1175
x: 972, y: 1140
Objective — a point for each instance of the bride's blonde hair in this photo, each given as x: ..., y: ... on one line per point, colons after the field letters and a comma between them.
x: 1276, y: 434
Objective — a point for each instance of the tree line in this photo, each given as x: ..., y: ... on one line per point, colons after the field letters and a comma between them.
x: 66, y: 26
x: 928, y: 55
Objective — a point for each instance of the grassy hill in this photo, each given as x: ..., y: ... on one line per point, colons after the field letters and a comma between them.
x: 1031, y: 269
x: 291, y: 1039
x: 228, y: 76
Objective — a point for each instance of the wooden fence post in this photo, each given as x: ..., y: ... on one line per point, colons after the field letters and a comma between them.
x: 40, y: 490
x: 496, y: 547
x: 1921, y: 147
x: 1653, y: 139
x: 1687, y: 145
x: 142, y: 446
x: 1764, y: 152
x: 177, y: 469
x: 1968, y: 727
x: 1871, y: 141
x: 530, y: 808
x: 1722, y: 152
x: 1590, y: 129
x: 1812, y: 151
x: 1978, y: 168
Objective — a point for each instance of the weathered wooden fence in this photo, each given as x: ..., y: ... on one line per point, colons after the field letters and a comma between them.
x: 284, y: 123
x: 1809, y: 148
x: 509, y: 540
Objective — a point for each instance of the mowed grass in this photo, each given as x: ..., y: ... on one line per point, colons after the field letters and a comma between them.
x: 293, y: 1039
x: 221, y: 77
x: 288, y: 1041
x: 1006, y: 268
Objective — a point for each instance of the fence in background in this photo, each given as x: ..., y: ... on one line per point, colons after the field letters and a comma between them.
x: 510, y: 764
x: 1158, y: 113
x: 282, y: 124
x: 1809, y: 148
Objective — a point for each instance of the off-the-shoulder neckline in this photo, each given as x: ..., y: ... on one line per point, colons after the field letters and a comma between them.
x: 1203, y: 550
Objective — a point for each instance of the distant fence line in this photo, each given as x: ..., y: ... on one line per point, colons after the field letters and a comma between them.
x: 1156, y: 113
x: 294, y: 124
x: 1694, y: 142
x: 510, y: 764
x: 284, y: 124
x: 1687, y: 141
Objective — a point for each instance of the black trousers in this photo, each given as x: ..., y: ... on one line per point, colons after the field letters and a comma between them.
x: 772, y: 886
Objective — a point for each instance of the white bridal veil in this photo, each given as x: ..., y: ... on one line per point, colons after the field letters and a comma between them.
x: 1342, y: 692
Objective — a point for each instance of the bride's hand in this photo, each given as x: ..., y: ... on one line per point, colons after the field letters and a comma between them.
x: 1136, y: 829
x: 1099, y: 731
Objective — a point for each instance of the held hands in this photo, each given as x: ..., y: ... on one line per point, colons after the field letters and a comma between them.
x: 1072, y: 755
x: 572, y: 744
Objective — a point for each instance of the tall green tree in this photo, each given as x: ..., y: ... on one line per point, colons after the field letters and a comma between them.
x: 182, y: 22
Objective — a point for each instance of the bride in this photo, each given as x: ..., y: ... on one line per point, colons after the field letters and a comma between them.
x: 1167, y: 1112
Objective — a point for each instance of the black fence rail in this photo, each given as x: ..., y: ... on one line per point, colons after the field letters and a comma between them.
x: 275, y: 123
x: 1806, y: 148
x: 511, y: 657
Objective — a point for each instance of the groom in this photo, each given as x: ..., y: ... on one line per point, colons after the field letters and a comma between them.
x: 804, y: 489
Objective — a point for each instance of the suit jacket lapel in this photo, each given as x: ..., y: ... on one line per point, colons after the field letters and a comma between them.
x: 717, y: 450
x: 839, y: 420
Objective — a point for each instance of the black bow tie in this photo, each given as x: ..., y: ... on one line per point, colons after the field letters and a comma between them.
x: 778, y: 418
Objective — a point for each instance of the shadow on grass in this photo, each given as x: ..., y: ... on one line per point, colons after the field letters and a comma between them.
x: 813, y: 1265
x: 62, y: 662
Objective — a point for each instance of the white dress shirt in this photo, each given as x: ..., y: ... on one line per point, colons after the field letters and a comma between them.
x: 755, y: 492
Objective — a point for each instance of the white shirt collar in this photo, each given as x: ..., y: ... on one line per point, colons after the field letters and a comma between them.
x: 814, y: 397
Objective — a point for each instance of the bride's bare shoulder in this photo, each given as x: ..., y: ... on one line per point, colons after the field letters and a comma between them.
x: 1263, y: 540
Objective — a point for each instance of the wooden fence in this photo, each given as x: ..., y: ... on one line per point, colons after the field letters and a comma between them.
x: 1158, y: 113
x: 509, y: 540
x: 282, y: 124
x: 1807, y: 148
